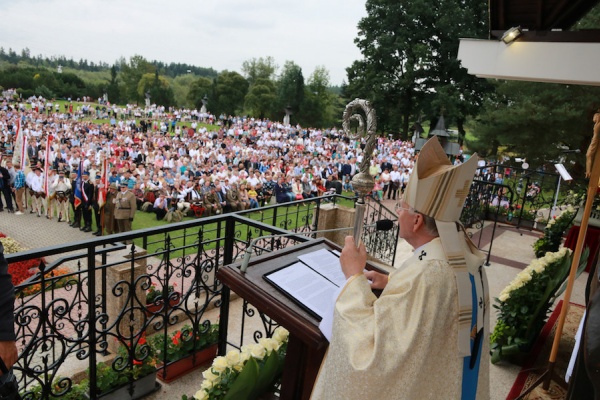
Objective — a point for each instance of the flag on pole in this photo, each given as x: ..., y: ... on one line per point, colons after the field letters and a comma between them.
x: 104, y: 182
x: 20, y: 152
x: 78, y: 186
x: 47, y: 165
x: 83, y: 194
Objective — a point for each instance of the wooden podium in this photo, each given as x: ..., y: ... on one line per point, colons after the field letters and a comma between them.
x: 307, y: 345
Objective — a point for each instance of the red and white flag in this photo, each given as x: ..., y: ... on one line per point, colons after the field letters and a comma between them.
x: 47, y: 162
x: 20, y: 151
x: 103, y: 182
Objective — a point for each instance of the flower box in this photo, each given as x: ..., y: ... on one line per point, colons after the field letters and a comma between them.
x: 526, y: 224
x: 181, y: 367
x: 153, y: 308
x: 141, y: 387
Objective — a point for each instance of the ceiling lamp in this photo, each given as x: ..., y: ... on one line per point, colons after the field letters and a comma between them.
x: 511, y: 35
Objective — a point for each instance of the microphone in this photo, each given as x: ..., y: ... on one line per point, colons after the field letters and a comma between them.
x: 381, y: 225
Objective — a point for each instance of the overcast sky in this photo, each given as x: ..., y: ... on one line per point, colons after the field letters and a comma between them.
x: 221, y: 34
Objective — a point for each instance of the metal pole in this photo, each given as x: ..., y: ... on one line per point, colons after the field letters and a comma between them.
x: 555, y: 198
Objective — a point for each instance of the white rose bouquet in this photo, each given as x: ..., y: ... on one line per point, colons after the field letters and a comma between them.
x: 245, y: 373
x: 524, y: 304
x: 554, y: 231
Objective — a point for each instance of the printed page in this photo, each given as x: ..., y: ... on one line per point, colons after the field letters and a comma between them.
x: 305, y: 285
x: 327, y: 264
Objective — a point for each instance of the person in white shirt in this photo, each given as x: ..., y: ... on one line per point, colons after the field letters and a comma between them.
x: 395, y: 178
x: 37, y: 187
x: 62, y: 187
x: 404, y: 179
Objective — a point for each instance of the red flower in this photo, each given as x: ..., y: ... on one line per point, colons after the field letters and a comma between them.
x: 176, y: 338
x: 136, y: 362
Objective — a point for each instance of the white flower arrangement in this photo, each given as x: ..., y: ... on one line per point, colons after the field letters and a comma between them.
x: 522, y: 306
x: 538, y: 265
x: 244, y: 368
x: 11, y: 245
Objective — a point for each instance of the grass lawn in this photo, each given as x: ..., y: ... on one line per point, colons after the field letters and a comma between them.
x: 288, y: 217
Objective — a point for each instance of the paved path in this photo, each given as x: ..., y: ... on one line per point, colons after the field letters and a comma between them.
x: 33, y: 232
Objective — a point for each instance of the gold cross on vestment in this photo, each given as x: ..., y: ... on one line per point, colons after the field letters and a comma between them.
x: 461, y: 194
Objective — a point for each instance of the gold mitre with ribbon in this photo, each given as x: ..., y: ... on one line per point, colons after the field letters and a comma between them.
x: 436, y: 187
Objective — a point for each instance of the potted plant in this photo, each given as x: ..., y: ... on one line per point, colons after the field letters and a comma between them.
x: 131, y: 375
x: 184, y: 350
x: 248, y: 373
x: 155, y: 298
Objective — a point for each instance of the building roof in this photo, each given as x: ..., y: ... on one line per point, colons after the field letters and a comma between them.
x: 537, y: 15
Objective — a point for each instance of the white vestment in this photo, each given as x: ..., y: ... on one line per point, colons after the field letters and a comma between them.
x: 402, y: 345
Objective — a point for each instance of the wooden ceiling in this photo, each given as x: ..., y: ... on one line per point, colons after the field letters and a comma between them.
x: 537, y: 15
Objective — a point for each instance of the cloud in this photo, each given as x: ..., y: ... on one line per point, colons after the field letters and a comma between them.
x: 209, y: 33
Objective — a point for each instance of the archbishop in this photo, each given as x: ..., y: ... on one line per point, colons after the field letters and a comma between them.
x: 426, y: 336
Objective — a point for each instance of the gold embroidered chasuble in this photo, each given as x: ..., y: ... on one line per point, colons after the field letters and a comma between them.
x: 402, y: 345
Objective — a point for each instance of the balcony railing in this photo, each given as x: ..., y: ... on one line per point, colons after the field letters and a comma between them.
x: 67, y: 323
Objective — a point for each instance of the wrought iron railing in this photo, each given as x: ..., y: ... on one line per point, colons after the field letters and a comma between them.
x: 524, y: 197
x: 66, y: 324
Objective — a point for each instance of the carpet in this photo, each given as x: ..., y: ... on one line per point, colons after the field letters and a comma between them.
x: 538, y: 358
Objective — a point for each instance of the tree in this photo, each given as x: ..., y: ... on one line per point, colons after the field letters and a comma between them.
x: 198, y: 89
x: 260, y: 97
x: 261, y: 68
x: 113, y: 90
x: 157, y: 87
x: 409, y: 57
x: 317, y: 108
x: 181, y: 85
x: 131, y: 73
x: 230, y: 91
x: 535, y: 120
x: 290, y: 90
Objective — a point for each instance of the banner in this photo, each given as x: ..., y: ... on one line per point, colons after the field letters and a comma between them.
x: 20, y: 150
x: 78, y: 186
x: 103, y: 187
x: 47, y: 162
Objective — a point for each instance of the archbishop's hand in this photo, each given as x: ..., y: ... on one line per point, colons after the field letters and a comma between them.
x: 378, y: 280
x: 353, y: 259
x: 8, y: 353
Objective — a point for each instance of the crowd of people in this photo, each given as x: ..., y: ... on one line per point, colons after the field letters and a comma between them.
x: 176, y: 161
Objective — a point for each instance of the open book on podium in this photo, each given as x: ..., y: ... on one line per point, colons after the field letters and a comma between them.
x: 311, y: 280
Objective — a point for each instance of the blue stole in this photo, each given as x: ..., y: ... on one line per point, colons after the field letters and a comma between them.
x: 471, y: 363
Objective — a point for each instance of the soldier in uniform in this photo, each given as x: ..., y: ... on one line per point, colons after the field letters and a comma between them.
x: 233, y: 199
x: 62, y: 190
x: 211, y: 203
x: 125, y: 207
x: 108, y: 220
